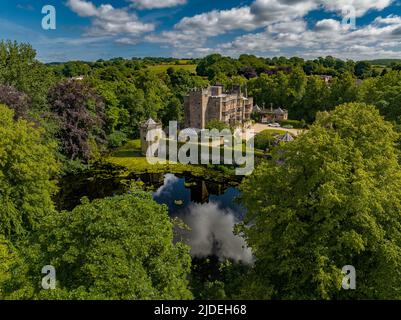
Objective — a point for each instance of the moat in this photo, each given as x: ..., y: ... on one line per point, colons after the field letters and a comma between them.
x: 208, y: 208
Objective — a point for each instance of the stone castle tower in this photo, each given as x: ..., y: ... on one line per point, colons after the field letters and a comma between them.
x: 155, y: 130
x: 213, y: 103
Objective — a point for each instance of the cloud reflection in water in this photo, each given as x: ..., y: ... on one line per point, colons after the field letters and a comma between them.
x: 212, y: 233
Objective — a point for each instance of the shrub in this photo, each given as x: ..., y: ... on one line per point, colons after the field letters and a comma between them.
x: 295, y: 123
x: 117, y: 139
x: 265, y: 139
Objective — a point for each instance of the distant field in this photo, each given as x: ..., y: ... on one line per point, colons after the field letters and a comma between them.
x: 380, y: 68
x: 163, y: 67
x: 384, y: 62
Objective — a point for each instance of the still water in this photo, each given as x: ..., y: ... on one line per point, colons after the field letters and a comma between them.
x: 210, y: 212
x: 207, y: 208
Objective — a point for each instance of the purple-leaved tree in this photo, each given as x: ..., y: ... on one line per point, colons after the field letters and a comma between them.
x: 79, y: 111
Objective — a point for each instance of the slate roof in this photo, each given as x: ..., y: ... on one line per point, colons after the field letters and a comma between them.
x: 287, y: 138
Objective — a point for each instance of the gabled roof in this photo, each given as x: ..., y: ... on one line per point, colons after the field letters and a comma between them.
x: 256, y: 108
x: 279, y: 111
x: 287, y: 138
x: 149, y: 123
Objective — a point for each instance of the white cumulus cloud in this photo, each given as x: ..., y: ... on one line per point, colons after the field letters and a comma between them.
x: 286, y: 30
x: 193, y: 31
x: 327, y: 37
x: 157, y: 4
x: 108, y: 20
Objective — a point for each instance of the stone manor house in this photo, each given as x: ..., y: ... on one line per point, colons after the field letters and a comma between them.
x: 213, y: 103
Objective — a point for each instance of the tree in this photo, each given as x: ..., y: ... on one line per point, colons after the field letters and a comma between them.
x: 212, y: 279
x: 311, y: 67
x: 315, y: 99
x: 330, y: 198
x: 27, y: 170
x: 215, y: 64
x: 265, y: 89
x: 363, y: 69
x: 236, y: 81
x: 125, y: 106
x: 343, y: 90
x: 79, y: 111
x: 217, y: 124
x: 114, y: 94
x: 134, y: 103
x: 15, y: 100
x: 220, y: 78
x: 265, y: 139
x: 248, y: 72
x: 111, y: 73
x: 114, y: 248
x: 20, y: 69
x: 8, y: 259
x: 395, y: 66
x: 181, y: 81
x: 75, y: 68
x: 249, y: 60
x: 174, y: 111
x: 155, y: 92
x: 281, y: 89
x: 385, y: 93
x: 297, y: 83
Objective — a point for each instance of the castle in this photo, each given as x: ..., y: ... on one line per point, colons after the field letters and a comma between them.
x: 203, y: 105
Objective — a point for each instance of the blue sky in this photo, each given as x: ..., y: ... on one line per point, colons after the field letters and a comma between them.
x: 103, y: 29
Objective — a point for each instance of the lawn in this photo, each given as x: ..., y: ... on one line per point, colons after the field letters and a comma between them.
x: 380, y: 68
x: 130, y: 157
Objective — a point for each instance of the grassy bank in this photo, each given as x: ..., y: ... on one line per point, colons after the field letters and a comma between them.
x: 130, y: 157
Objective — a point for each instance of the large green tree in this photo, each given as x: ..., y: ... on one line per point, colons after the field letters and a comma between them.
x: 329, y: 199
x: 385, y: 93
x: 343, y: 89
x: 156, y: 92
x: 113, y: 248
x: 27, y: 170
x: 280, y: 89
x: 8, y: 259
x: 214, y: 64
x: 315, y: 99
x: 20, y: 69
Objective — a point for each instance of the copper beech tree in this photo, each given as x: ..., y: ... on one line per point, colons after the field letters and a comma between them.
x: 79, y: 111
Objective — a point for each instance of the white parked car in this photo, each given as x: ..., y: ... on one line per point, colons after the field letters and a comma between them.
x: 274, y: 125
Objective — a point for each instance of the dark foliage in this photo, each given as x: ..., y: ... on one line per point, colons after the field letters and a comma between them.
x: 15, y: 100
x: 80, y: 114
x: 248, y: 72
